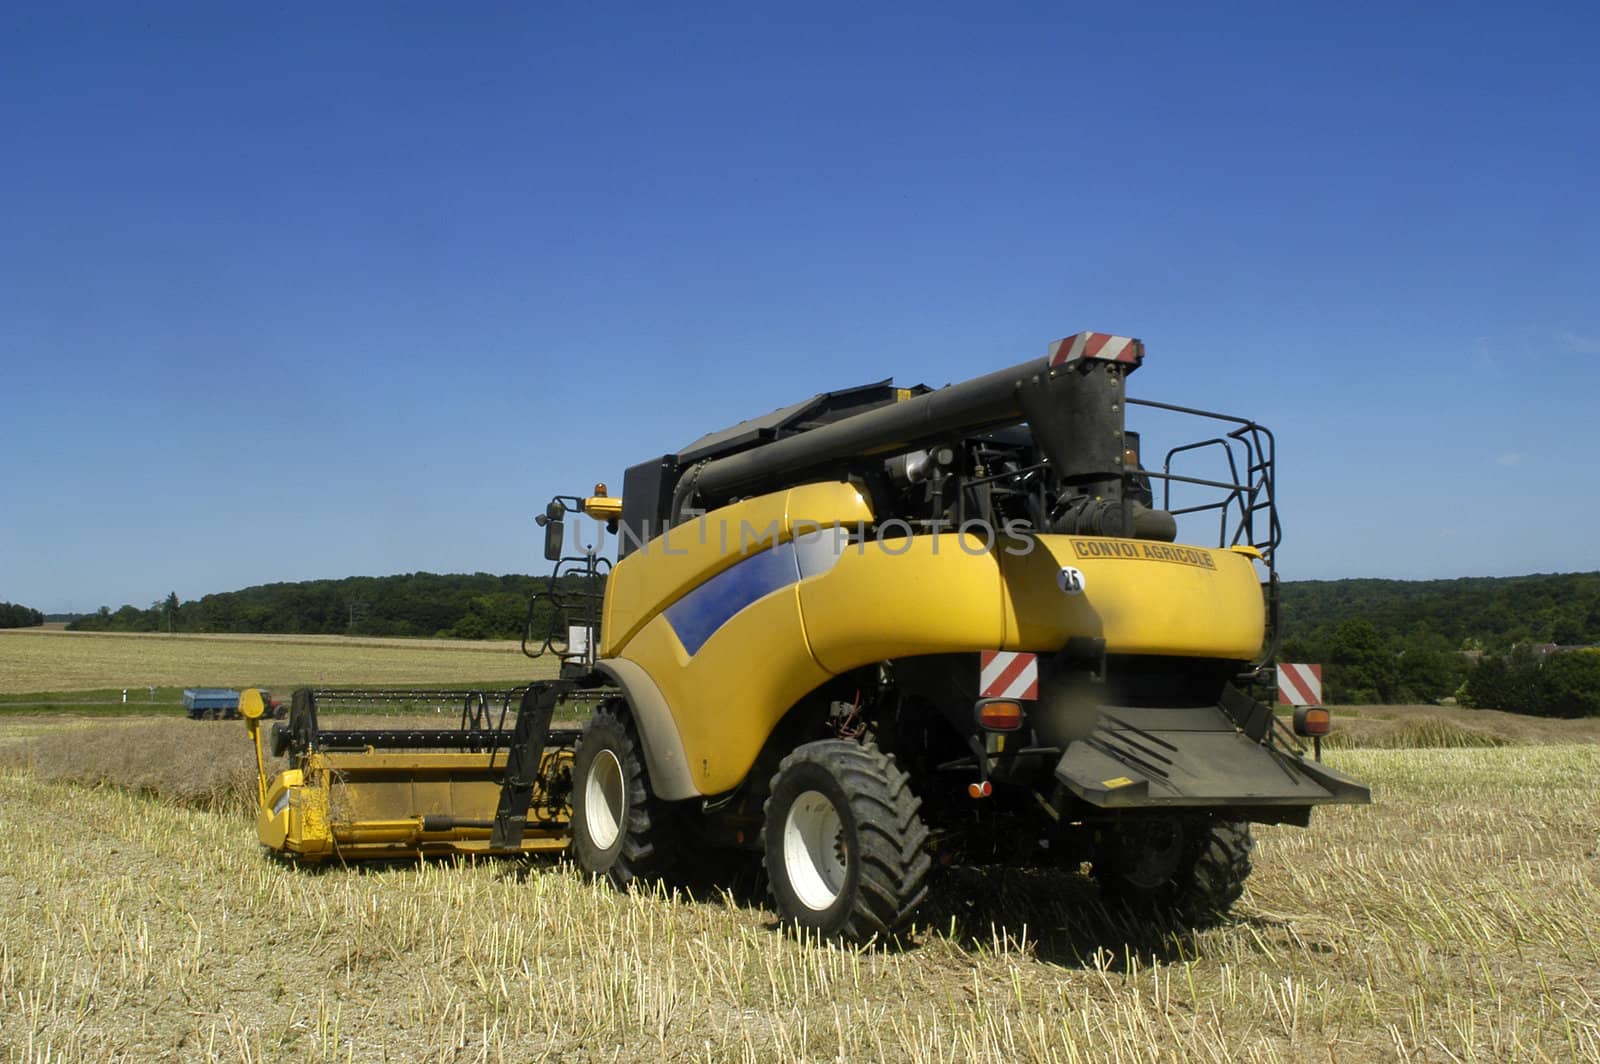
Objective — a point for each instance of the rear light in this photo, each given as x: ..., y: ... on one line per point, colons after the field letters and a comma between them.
x: 1312, y: 721
x: 999, y: 714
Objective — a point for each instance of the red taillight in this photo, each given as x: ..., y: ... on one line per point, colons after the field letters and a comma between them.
x: 999, y: 714
x: 1312, y: 721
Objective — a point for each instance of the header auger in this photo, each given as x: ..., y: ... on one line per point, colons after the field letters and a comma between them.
x: 877, y: 631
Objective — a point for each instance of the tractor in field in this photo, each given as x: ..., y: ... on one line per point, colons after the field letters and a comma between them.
x: 873, y: 633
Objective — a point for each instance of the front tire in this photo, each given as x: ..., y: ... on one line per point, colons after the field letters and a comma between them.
x: 620, y: 830
x: 843, y: 841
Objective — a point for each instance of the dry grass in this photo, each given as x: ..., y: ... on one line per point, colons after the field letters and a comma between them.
x: 1454, y: 920
x: 33, y: 660
x: 1425, y: 727
x: 203, y: 764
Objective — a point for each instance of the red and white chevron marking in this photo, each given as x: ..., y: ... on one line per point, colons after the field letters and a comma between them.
x: 1299, y: 685
x: 1096, y: 345
x: 1008, y: 674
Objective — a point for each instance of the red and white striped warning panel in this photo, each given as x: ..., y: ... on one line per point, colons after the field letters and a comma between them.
x: 1299, y: 685
x: 1008, y: 674
x: 1103, y: 346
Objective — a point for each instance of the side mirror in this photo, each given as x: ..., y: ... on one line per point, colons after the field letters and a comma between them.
x: 555, y: 530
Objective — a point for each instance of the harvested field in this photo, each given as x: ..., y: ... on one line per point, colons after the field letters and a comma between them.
x: 1453, y: 920
x: 1433, y: 727
x: 33, y: 660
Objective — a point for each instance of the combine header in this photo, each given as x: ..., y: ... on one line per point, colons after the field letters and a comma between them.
x: 400, y: 791
x: 498, y: 781
x: 878, y: 631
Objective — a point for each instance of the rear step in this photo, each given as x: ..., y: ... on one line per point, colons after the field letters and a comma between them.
x: 1200, y: 758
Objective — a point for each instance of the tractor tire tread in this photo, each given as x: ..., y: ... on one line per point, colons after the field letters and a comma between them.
x: 1209, y: 878
x: 646, y: 852
x: 1221, y: 865
x: 890, y: 833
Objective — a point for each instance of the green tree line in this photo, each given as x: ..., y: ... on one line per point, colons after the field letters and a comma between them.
x: 1488, y: 613
x: 15, y: 616
x: 456, y: 605
x: 1400, y: 641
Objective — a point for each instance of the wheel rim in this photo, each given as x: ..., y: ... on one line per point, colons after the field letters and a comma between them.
x: 1157, y: 852
x: 603, y: 800
x: 815, y: 858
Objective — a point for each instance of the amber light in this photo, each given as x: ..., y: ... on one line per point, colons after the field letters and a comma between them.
x: 1312, y: 721
x: 999, y: 714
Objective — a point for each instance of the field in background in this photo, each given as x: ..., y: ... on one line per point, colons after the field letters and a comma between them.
x: 1432, y: 727
x: 34, y: 660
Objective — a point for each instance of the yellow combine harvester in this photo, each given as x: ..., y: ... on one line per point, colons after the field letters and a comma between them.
x: 874, y: 632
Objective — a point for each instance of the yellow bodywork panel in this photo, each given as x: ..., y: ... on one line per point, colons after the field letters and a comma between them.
x: 730, y: 654
x: 376, y: 804
x: 934, y: 598
x: 726, y: 699
x: 667, y: 567
x: 946, y: 594
x: 1141, y: 597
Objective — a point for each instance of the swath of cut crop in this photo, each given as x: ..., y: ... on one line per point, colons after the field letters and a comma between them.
x: 208, y: 765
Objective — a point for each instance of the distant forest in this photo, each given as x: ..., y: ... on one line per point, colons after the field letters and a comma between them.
x: 450, y: 606
x: 1481, y: 640
x: 1383, y: 641
x: 1473, y: 613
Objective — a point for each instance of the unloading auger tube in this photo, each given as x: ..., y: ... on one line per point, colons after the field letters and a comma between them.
x: 1073, y: 400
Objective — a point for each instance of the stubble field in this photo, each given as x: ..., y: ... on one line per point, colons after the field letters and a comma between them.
x: 44, y: 660
x: 1455, y: 919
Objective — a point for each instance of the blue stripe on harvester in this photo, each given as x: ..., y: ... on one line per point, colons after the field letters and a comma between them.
x: 698, y: 615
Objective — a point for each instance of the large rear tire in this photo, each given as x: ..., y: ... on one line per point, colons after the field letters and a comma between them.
x: 1192, y: 871
x: 620, y: 830
x: 843, y: 841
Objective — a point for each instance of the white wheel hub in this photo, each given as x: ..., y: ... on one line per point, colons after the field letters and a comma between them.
x: 814, y: 855
x: 604, y: 800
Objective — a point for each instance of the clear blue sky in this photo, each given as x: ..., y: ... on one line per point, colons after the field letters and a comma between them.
x: 287, y: 293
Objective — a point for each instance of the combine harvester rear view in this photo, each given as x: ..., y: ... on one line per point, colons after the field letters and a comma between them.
x: 877, y: 631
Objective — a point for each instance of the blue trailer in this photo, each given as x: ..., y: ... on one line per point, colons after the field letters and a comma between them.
x: 211, y: 703
x: 222, y: 703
